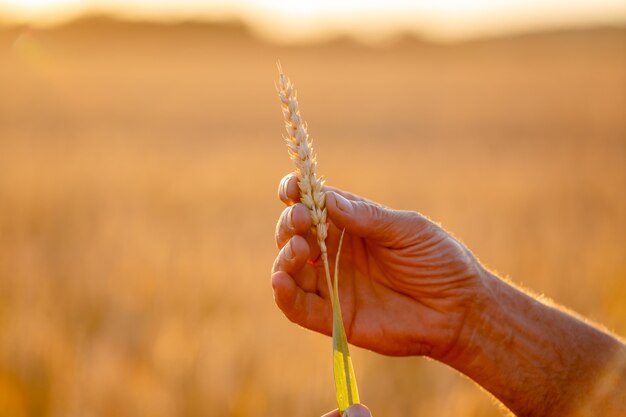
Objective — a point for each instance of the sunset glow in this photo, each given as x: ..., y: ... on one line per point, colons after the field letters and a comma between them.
x: 444, y: 19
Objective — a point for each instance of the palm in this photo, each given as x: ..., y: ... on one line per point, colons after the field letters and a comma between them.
x: 391, y: 294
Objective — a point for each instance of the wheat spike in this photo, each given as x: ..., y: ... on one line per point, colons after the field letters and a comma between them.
x: 300, y: 148
x: 302, y: 154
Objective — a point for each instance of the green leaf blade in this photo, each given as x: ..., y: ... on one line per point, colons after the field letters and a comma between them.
x: 345, y: 380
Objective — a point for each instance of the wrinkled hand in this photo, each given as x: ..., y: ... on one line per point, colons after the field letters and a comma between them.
x: 406, y: 286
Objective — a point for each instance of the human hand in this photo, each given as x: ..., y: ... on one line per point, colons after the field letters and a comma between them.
x: 406, y: 286
x: 356, y: 410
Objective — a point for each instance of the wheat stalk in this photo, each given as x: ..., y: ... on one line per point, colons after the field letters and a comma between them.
x: 301, y: 152
x: 300, y: 148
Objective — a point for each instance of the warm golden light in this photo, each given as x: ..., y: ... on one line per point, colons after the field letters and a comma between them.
x: 32, y: 9
x: 292, y: 21
x: 139, y: 164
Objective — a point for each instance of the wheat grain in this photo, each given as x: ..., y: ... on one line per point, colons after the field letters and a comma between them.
x: 301, y: 152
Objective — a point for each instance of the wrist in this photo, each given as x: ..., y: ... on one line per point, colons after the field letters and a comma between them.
x: 480, y: 310
x: 536, y: 359
x: 505, y: 347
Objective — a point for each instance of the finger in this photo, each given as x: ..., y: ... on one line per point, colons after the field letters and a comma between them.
x: 288, y: 190
x: 304, y: 308
x: 357, y: 410
x: 346, y: 194
x: 293, y: 256
x: 293, y: 220
x: 293, y: 259
x: 314, y: 246
x: 307, y: 279
x: 372, y: 221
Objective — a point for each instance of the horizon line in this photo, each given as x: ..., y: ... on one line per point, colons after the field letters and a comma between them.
x: 250, y: 28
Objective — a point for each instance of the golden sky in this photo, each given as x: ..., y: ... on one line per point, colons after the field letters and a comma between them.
x: 305, y: 19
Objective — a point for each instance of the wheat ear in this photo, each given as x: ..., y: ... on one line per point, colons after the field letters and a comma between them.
x: 300, y: 148
x: 301, y: 152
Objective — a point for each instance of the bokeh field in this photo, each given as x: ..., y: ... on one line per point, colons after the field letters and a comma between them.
x: 138, y: 173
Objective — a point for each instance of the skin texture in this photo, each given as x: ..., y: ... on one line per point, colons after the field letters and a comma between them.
x: 395, y: 266
x: 407, y: 287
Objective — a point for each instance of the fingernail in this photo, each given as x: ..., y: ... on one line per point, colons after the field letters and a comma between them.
x: 342, y: 203
x: 282, y: 188
x: 285, y: 222
x: 290, y: 219
x: 289, y: 255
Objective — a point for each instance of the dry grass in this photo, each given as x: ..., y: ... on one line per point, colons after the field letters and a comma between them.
x: 135, y: 251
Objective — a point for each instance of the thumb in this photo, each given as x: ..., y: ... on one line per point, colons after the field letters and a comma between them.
x: 372, y: 221
x: 357, y: 410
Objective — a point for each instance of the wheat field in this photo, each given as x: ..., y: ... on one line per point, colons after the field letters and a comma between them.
x: 138, y: 172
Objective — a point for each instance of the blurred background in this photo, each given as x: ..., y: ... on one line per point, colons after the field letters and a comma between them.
x: 141, y: 149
